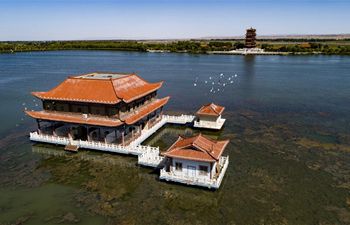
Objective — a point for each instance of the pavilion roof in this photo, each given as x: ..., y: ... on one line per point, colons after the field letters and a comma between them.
x: 211, y: 110
x: 105, y: 88
x: 197, y: 148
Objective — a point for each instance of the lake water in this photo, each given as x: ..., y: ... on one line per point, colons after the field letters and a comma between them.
x: 287, y: 118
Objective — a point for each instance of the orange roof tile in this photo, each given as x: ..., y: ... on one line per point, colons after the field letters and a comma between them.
x: 211, y: 110
x: 100, y: 89
x: 75, y: 118
x: 133, y: 87
x: 198, y: 148
x: 144, y: 111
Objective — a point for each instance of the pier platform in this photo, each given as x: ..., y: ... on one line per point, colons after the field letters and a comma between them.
x: 147, y: 155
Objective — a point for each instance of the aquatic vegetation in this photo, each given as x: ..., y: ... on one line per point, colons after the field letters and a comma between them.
x: 289, y: 149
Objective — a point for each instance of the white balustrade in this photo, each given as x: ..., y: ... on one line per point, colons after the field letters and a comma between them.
x: 210, y: 124
x: 199, y: 181
x: 147, y: 155
x: 183, y: 119
x: 34, y: 136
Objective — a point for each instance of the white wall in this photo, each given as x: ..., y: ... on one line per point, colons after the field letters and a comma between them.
x: 209, y: 118
x: 213, y: 170
x: 185, y: 171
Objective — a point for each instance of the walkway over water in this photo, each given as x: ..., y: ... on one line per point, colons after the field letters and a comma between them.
x: 147, y: 155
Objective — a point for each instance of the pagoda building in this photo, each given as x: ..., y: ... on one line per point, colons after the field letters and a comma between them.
x: 250, y: 38
x: 102, y: 107
x: 209, y: 116
x: 195, y: 160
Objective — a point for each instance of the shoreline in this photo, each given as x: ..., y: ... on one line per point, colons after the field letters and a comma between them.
x: 181, y: 52
x: 234, y: 47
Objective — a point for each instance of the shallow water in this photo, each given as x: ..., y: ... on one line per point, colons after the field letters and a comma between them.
x: 287, y: 118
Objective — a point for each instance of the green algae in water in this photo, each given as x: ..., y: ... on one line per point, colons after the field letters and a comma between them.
x: 48, y: 204
x: 289, y: 149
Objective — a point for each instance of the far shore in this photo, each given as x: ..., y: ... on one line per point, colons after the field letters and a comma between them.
x: 227, y: 47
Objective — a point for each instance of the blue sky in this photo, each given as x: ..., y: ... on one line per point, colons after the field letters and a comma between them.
x: 137, y: 19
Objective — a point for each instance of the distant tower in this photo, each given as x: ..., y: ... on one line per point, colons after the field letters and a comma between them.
x: 250, y: 38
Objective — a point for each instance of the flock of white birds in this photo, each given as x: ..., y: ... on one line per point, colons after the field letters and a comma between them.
x: 216, y: 83
x: 27, y: 106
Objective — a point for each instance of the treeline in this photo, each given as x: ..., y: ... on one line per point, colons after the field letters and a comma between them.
x: 195, y: 46
x: 70, y: 45
x: 191, y: 46
x: 303, y: 39
x: 309, y: 47
x: 178, y: 46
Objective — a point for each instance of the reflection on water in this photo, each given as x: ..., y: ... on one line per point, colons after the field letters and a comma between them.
x: 247, y: 76
x: 287, y: 119
x: 106, y: 159
x: 167, y: 135
x: 249, y: 67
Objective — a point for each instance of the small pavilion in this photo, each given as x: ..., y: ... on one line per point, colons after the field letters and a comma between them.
x: 209, y: 116
x: 195, y: 160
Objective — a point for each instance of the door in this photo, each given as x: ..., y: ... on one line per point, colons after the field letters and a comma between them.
x: 191, y: 171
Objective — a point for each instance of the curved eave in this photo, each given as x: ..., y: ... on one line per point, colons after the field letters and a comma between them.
x: 207, y: 114
x: 210, y: 114
x: 37, y: 94
x: 41, y: 95
x: 225, y: 143
x: 188, y: 157
x: 76, y: 119
x: 188, y: 154
x: 146, y: 110
x: 157, y: 86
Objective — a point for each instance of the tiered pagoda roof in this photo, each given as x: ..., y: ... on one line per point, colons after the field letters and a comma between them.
x: 211, y: 110
x: 197, y: 148
x: 105, y: 88
x: 250, y: 38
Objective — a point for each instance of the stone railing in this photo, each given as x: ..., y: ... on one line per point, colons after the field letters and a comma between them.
x: 183, y: 119
x: 197, y: 180
x: 108, y: 147
x: 154, y: 121
x: 146, y: 133
x: 150, y: 157
x: 34, y: 136
x: 224, y: 161
x: 183, y: 178
x: 210, y: 124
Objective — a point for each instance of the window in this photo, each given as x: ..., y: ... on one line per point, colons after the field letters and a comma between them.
x: 178, y: 166
x: 203, y: 170
x: 79, y: 109
x: 113, y: 111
